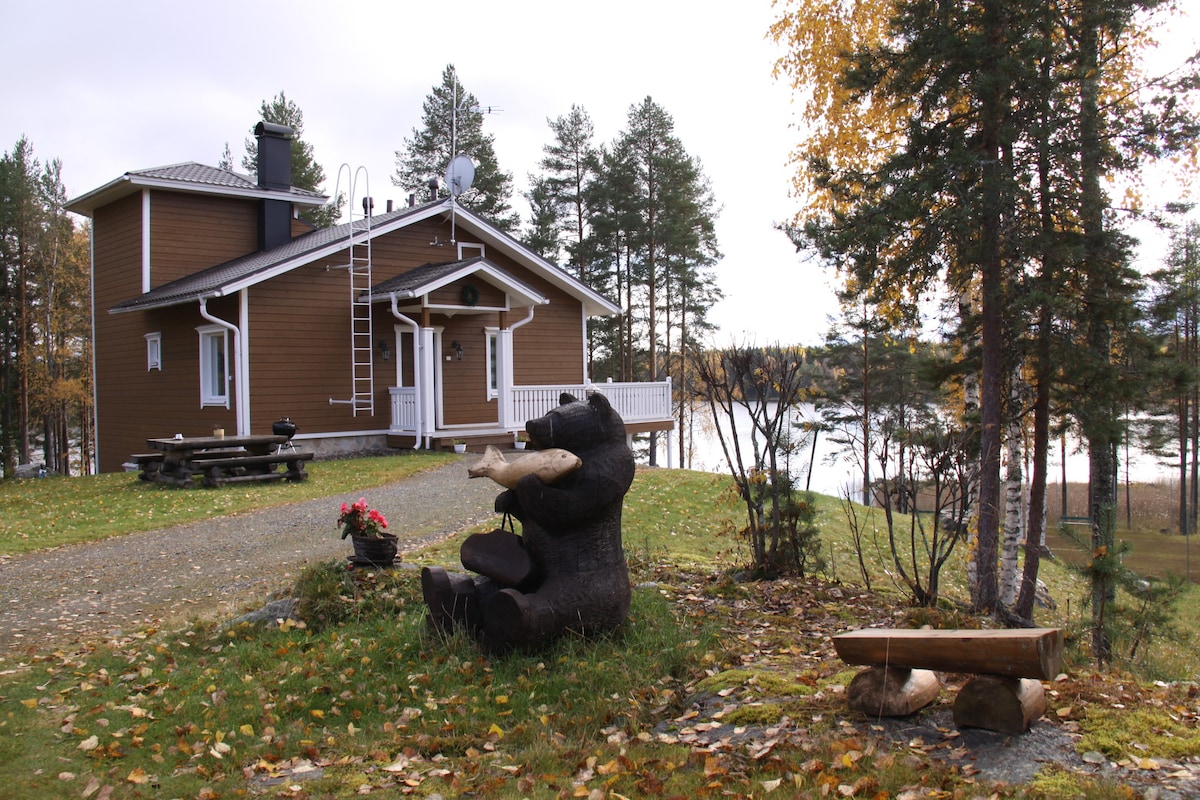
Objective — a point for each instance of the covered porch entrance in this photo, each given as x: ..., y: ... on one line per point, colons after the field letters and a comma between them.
x: 455, y: 329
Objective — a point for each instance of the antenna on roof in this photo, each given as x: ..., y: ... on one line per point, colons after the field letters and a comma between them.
x: 460, y: 173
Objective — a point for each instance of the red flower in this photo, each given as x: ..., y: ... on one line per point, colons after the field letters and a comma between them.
x: 359, y: 520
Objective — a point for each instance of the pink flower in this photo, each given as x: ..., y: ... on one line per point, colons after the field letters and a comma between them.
x: 360, y: 520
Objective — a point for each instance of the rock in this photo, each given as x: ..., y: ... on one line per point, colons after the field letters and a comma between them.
x: 286, y: 608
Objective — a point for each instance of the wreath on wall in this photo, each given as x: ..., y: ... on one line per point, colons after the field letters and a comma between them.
x: 470, y: 295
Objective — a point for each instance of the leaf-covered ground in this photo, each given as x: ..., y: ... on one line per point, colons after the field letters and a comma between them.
x: 715, y: 688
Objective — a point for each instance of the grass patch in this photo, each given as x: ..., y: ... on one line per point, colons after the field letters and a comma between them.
x: 184, y: 715
x: 1139, y: 733
x: 36, y: 513
x: 715, y: 688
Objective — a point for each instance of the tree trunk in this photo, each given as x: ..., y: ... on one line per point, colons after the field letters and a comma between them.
x: 992, y: 328
x: 1099, y: 412
x: 1014, y: 497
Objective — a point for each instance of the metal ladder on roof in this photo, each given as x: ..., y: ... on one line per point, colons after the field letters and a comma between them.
x: 362, y: 364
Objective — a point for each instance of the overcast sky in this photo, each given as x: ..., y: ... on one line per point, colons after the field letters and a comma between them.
x: 125, y: 85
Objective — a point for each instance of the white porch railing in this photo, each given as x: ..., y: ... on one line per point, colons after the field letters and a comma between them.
x: 404, y: 409
x: 635, y: 402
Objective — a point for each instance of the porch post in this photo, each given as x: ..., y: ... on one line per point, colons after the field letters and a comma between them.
x: 504, y: 379
x: 425, y: 393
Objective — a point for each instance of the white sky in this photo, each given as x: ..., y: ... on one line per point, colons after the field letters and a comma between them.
x: 131, y: 84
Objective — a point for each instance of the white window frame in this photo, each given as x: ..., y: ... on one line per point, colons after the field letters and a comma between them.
x: 154, y: 351
x: 491, y: 338
x: 214, y: 387
x: 464, y: 247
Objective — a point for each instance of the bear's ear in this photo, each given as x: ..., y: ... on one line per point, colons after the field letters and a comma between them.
x: 599, y: 402
x: 566, y: 398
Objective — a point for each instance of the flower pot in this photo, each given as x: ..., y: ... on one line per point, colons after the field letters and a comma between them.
x: 379, y: 551
x: 460, y: 448
x: 519, y: 445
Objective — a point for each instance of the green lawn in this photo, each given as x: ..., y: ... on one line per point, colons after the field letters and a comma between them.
x: 47, y: 512
x: 715, y: 688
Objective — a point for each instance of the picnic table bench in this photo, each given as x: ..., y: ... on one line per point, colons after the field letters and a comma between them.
x: 1008, y: 666
x: 218, y: 460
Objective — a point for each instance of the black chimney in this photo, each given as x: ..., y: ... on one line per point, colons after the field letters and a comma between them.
x: 274, y: 172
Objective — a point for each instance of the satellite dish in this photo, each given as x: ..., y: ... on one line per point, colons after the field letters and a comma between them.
x: 459, y: 175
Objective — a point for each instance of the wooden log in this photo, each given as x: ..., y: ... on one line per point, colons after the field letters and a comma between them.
x: 251, y: 478
x: 1007, y: 705
x: 1021, y: 653
x: 892, y: 691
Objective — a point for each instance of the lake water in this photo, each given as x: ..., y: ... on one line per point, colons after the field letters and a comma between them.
x: 835, y: 472
x: 832, y: 471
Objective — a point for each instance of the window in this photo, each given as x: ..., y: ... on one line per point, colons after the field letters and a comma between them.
x: 154, y: 351
x: 467, y: 250
x: 214, y: 370
x: 493, y: 363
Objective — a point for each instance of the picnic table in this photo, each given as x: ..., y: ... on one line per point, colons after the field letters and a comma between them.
x: 218, y: 460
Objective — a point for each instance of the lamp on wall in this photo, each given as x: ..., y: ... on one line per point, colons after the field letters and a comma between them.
x: 458, y: 349
x: 384, y: 350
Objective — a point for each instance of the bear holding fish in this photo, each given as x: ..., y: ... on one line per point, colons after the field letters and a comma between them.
x: 567, y: 571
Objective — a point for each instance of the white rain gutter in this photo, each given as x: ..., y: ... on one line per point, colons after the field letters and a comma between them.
x: 241, y: 386
x: 416, y: 364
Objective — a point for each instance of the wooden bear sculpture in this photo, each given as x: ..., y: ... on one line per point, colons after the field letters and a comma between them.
x: 571, y: 573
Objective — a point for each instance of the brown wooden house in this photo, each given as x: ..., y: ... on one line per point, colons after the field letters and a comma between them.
x: 214, y: 305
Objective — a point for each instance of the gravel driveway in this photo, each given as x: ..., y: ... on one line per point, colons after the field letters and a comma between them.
x: 215, y: 567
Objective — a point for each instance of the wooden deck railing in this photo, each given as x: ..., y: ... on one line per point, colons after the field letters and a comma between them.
x: 635, y: 402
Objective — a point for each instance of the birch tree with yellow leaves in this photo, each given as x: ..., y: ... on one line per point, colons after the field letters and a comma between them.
x: 961, y: 148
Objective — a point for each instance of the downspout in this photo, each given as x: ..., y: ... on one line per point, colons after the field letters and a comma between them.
x: 95, y: 383
x: 240, y: 387
x: 416, y: 329
x: 528, y: 319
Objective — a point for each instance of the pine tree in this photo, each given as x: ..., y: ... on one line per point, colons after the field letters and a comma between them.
x: 653, y: 224
x: 570, y: 166
x: 544, y: 234
x: 44, y: 314
x: 307, y: 173
x: 451, y: 125
x: 990, y: 145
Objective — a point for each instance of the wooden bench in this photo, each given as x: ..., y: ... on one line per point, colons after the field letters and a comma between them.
x: 148, y: 464
x: 221, y: 468
x: 1005, y: 695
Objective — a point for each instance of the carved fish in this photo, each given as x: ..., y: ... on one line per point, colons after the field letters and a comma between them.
x: 548, y: 465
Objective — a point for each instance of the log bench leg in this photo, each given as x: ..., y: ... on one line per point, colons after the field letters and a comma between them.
x: 892, y: 691
x: 994, y: 703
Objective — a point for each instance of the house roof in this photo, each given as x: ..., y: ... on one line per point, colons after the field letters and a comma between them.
x: 430, y: 277
x: 189, y: 177
x: 240, y: 273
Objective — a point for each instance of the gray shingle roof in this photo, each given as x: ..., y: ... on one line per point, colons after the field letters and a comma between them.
x: 416, y: 279
x: 189, y: 177
x: 190, y: 172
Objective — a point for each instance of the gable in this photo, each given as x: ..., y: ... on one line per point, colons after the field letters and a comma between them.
x: 240, y: 273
